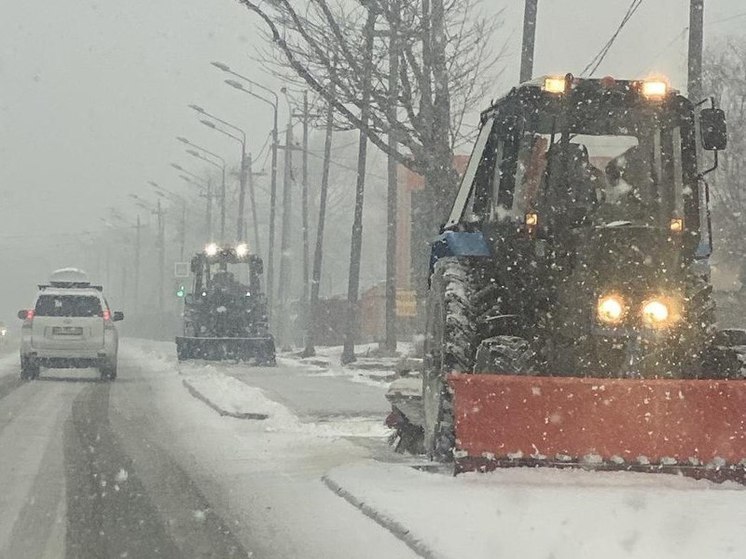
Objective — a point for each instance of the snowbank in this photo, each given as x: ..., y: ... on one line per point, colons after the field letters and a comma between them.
x: 229, y: 396
x: 546, y: 513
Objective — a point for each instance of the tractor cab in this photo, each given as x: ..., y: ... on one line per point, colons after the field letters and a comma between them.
x: 226, y: 269
x: 557, y: 154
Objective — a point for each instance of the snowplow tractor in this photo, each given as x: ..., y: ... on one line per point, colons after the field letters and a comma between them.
x: 570, y: 318
x: 225, y: 315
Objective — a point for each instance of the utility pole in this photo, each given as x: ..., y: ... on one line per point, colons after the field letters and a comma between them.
x: 208, y: 210
x: 393, y: 180
x: 240, y: 228
x: 529, y: 38
x: 304, y: 203
x: 285, y: 267
x: 696, y: 25
x: 272, y: 218
x: 183, y: 229
x: 353, y: 282
x: 222, y: 208
x: 313, y: 309
x: 252, y: 195
x: 161, y: 257
x: 136, y: 287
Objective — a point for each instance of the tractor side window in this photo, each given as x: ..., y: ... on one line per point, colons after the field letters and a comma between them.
x: 530, y: 167
x: 464, y: 205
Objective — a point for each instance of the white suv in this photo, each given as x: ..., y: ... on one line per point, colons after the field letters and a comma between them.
x: 70, y: 325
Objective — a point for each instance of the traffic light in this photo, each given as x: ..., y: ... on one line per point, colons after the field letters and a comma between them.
x: 180, y: 292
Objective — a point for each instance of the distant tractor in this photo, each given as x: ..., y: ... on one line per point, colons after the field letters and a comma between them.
x: 225, y: 315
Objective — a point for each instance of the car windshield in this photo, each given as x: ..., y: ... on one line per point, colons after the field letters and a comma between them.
x: 613, y: 171
x: 68, y: 305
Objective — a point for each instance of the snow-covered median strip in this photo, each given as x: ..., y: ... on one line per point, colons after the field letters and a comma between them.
x: 225, y: 403
x: 563, y: 514
x: 230, y: 397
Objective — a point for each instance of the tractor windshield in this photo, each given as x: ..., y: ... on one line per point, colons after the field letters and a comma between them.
x: 618, y: 166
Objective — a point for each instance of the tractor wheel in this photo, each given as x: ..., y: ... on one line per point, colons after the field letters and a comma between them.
x: 508, y: 355
x: 450, y: 346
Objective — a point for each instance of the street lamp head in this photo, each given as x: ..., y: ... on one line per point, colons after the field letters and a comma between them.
x: 197, y: 108
x: 223, y: 67
x: 134, y: 196
x: 234, y: 83
x: 182, y: 139
x: 177, y: 167
x: 155, y: 184
x: 208, y: 123
x: 193, y: 153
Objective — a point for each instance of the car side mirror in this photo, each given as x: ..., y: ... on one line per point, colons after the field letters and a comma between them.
x: 117, y: 316
x: 22, y: 314
x: 713, y: 129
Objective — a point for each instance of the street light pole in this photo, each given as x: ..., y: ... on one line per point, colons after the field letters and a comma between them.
x: 241, y: 221
x: 273, y: 176
x: 196, y: 180
x: 136, y: 287
x: 221, y: 166
x: 161, y: 257
x: 166, y: 193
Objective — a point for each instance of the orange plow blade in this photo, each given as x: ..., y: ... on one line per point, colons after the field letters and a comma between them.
x: 693, y: 427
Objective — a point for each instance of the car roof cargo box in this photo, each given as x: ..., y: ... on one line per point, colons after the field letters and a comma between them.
x: 70, y: 278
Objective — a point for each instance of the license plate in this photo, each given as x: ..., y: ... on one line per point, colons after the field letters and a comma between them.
x: 67, y: 331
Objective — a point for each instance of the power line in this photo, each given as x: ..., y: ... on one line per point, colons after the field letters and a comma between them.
x: 742, y: 14
x: 599, y: 58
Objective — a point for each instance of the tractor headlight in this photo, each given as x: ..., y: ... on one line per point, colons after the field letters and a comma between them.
x: 211, y: 249
x: 242, y: 250
x: 610, y: 309
x: 656, y: 313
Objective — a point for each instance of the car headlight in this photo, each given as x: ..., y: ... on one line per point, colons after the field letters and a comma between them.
x: 656, y: 312
x: 610, y: 309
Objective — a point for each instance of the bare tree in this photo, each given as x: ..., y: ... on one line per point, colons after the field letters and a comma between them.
x: 447, y: 67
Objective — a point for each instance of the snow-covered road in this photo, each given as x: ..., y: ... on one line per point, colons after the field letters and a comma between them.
x: 142, y: 468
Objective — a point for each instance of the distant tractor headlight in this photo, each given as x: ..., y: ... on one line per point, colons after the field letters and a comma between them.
x: 211, y: 249
x: 656, y: 313
x: 242, y: 250
x: 610, y: 309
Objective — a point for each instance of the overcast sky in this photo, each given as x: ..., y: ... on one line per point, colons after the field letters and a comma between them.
x: 93, y: 92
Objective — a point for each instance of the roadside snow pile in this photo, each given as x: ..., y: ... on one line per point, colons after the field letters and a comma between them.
x: 370, y: 366
x: 229, y: 396
x: 10, y: 365
x: 547, y: 513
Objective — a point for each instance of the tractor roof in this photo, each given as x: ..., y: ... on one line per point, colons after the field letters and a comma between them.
x: 653, y: 92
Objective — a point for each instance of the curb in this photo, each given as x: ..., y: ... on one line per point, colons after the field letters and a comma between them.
x: 385, y: 522
x: 225, y: 413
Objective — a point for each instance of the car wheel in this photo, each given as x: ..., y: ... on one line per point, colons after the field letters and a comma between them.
x: 29, y: 369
